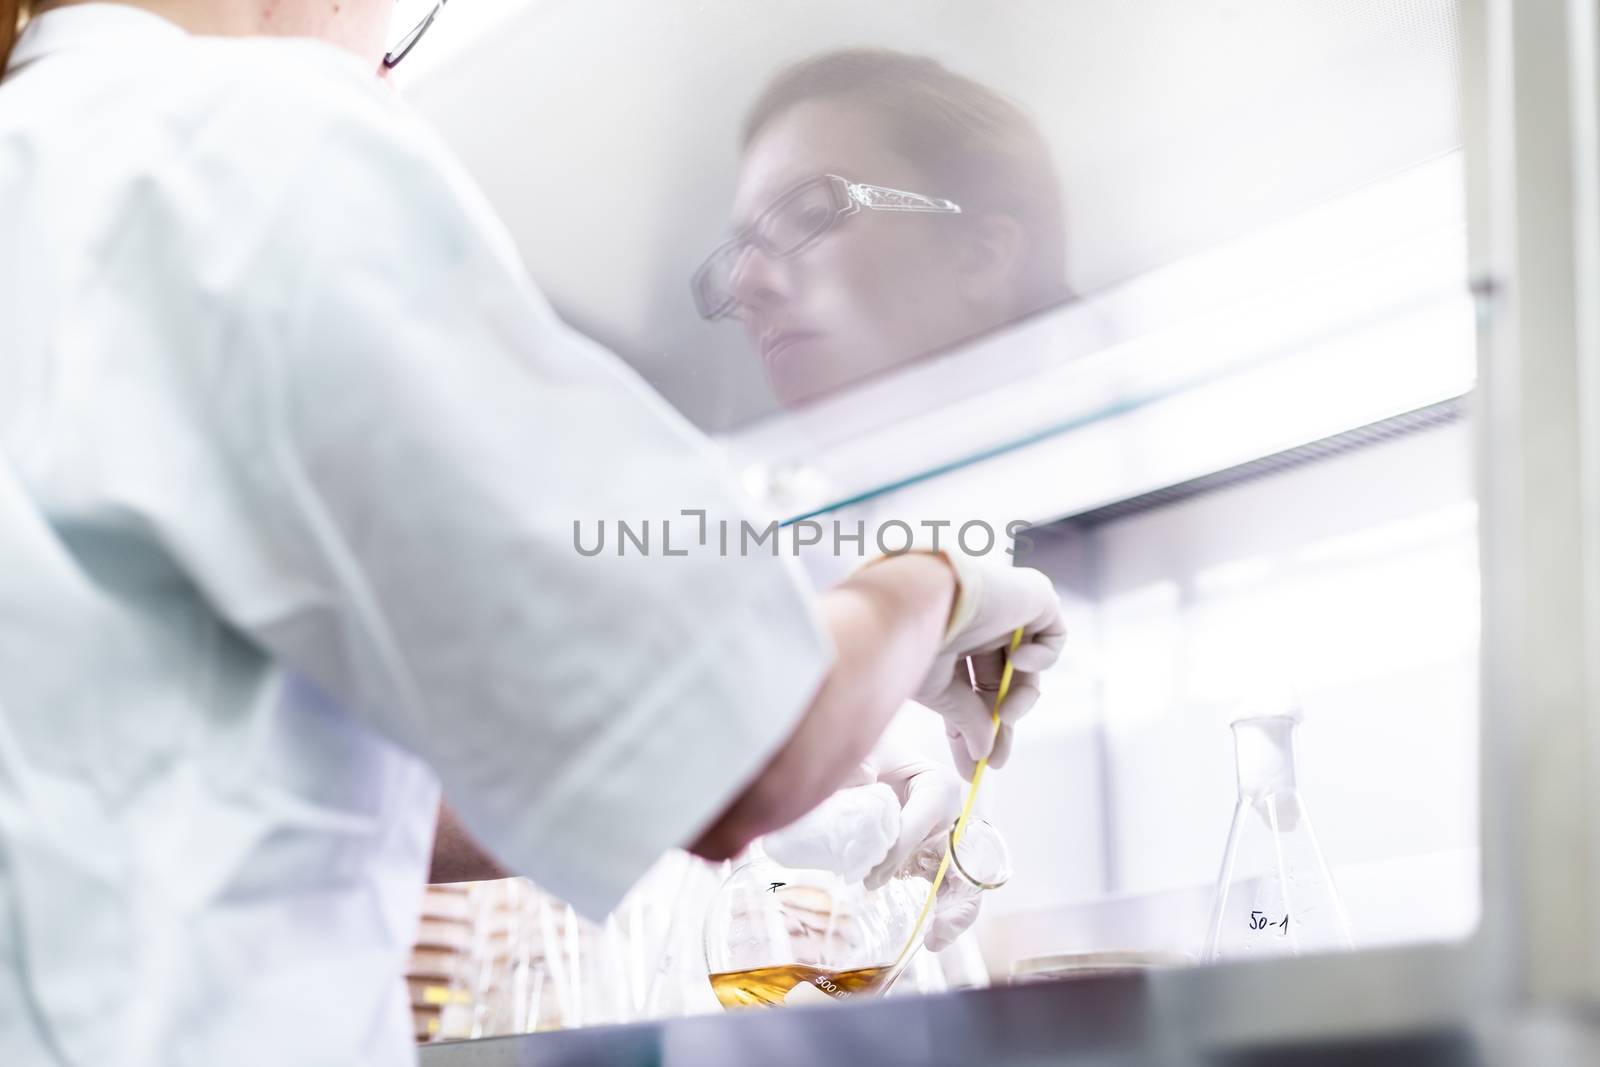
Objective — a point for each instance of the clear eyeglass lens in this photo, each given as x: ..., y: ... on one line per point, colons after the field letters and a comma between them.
x: 798, y: 218
x: 715, y: 284
x: 782, y: 230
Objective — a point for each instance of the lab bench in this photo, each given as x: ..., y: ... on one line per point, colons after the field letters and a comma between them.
x: 1417, y: 1007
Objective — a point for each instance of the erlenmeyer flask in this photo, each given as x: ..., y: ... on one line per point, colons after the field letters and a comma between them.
x: 779, y: 935
x: 773, y: 928
x: 1275, y: 895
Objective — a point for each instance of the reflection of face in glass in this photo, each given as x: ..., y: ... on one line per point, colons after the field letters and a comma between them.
x: 793, y: 223
x: 886, y: 207
x: 876, y: 289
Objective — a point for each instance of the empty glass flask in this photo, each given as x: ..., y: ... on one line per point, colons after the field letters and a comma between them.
x: 1275, y: 894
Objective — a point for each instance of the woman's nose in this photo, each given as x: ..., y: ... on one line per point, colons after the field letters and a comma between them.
x: 757, y: 280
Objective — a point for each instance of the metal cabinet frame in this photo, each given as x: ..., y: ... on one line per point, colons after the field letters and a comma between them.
x: 1531, y: 117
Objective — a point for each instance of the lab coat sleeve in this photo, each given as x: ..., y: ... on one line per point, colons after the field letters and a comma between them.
x: 423, y: 447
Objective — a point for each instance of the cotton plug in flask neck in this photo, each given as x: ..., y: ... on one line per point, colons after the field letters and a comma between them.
x: 1264, y: 758
x: 1275, y: 894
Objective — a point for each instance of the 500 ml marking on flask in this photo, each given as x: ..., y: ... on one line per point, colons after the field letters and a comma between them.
x: 772, y: 985
x: 824, y: 983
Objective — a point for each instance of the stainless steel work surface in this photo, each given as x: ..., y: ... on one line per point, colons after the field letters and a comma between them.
x: 1415, y: 1008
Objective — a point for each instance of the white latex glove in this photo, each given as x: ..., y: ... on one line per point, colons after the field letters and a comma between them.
x: 902, y: 820
x: 951, y: 917
x: 955, y: 907
x: 991, y: 602
x: 849, y: 833
x: 931, y: 795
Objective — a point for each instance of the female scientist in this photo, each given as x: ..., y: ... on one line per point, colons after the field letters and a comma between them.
x: 886, y: 207
x: 291, y: 457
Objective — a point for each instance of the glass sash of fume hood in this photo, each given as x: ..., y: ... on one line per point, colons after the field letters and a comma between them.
x: 1345, y: 315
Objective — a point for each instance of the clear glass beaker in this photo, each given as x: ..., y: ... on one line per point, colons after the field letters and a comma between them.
x: 777, y: 935
x: 1275, y: 894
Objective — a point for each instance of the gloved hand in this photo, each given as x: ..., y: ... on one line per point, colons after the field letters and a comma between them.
x: 870, y: 832
x: 991, y: 602
x: 849, y: 834
x: 930, y: 795
x: 956, y: 906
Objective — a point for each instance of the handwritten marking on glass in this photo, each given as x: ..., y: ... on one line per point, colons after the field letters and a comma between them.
x: 1260, y: 921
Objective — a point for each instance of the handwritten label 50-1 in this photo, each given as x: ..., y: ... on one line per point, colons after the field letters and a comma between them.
x: 1259, y: 921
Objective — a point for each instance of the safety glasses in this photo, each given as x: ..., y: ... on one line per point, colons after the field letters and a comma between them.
x: 411, y: 20
x: 792, y: 224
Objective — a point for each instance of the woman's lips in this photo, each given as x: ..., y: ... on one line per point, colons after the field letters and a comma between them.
x: 775, y: 343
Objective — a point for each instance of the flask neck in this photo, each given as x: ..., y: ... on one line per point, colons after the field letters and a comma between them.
x: 1264, y: 748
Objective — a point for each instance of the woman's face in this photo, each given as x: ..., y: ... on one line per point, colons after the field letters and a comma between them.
x: 878, y: 289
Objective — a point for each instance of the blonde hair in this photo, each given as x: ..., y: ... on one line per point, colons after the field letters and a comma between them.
x: 13, y: 14
x: 975, y: 146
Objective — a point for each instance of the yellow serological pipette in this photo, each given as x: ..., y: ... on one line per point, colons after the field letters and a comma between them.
x: 961, y: 823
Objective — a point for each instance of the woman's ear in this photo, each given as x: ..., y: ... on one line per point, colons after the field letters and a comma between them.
x: 989, y: 269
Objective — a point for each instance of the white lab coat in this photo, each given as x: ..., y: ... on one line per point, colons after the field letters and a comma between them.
x: 290, y: 457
